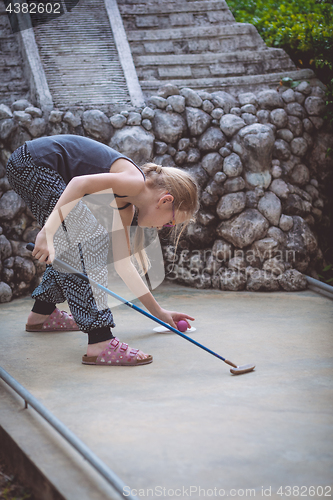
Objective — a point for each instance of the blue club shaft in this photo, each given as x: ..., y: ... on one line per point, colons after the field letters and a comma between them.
x: 72, y: 270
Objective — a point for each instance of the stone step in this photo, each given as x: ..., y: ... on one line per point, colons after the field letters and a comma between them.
x: 211, y: 57
x: 212, y: 64
x: 161, y: 21
x: 172, y: 7
x: 235, y: 29
x: 234, y: 85
x: 80, y: 58
x: 8, y: 45
x: 225, y: 38
x: 8, y: 74
x: 17, y: 87
x: 162, y: 3
x: 12, y: 60
x: 175, y: 15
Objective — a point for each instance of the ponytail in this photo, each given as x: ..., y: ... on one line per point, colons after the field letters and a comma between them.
x: 152, y: 167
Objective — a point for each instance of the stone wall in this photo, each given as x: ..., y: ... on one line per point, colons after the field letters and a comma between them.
x: 259, y: 159
x: 13, y: 84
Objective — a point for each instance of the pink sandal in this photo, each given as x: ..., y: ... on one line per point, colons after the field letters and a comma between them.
x: 58, y: 321
x: 114, y: 356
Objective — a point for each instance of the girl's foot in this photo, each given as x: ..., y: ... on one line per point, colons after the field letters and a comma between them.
x: 36, y: 319
x: 58, y: 321
x: 97, y: 349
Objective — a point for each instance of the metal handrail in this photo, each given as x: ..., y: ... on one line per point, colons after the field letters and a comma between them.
x: 83, y: 449
x: 319, y: 284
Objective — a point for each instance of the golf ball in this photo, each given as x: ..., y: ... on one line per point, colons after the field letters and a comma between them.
x: 182, y: 325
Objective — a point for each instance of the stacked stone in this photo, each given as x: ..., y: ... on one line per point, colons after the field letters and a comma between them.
x: 259, y: 160
x: 13, y: 84
x: 253, y: 162
x: 19, y: 274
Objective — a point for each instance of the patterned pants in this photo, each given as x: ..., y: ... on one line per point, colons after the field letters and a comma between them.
x: 80, y: 241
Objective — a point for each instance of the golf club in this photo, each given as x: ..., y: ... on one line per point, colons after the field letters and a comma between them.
x: 236, y: 370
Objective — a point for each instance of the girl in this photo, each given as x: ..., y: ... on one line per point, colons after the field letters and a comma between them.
x: 52, y: 175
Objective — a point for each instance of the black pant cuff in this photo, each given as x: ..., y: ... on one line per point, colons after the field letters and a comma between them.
x: 41, y: 307
x: 100, y: 335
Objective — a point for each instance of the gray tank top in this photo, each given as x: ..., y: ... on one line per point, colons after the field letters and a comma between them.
x: 74, y: 155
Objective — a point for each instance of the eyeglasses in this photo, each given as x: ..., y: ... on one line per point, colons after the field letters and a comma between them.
x: 173, y: 216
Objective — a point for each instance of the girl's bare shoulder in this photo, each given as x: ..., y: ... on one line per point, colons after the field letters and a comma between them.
x: 127, y: 177
x: 123, y: 165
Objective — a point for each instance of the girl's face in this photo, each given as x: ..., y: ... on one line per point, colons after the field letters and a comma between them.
x: 160, y: 213
x: 156, y: 215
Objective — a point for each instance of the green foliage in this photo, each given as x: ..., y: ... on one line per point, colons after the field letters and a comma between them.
x: 327, y: 274
x: 289, y: 82
x: 303, y: 28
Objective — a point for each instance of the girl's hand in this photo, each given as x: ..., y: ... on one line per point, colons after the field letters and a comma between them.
x: 44, y: 250
x: 172, y: 317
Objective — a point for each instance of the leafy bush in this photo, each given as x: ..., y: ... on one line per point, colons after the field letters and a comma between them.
x: 327, y: 275
x: 303, y: 28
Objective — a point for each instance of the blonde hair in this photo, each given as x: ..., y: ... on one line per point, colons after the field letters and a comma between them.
x: 184, y: 189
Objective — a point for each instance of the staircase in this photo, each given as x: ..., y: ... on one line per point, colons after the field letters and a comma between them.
x: 80, y: 59
x: 198, y: 44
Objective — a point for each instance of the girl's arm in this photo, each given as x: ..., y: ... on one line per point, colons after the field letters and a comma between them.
x: 129, y: 182
x: 123, y: 264
x: 129, y: 274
